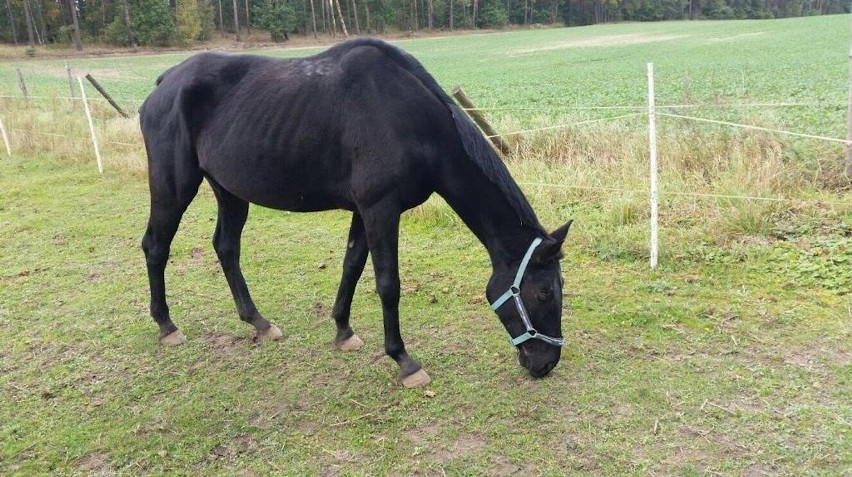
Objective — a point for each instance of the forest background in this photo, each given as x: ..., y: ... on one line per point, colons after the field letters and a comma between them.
x: 160, y: 23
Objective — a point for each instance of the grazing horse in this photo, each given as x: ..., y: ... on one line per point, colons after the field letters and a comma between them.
x: 361, y: 127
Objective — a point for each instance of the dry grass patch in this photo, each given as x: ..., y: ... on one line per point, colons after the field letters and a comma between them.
x: 599, y: 42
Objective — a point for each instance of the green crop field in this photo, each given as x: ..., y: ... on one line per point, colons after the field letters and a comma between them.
x: 734, y: 357
x: 802, y: 60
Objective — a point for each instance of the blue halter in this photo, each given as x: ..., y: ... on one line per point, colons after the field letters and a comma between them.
x: 514, y: 291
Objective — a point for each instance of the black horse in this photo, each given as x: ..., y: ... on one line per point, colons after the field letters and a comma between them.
x: 361, y: 127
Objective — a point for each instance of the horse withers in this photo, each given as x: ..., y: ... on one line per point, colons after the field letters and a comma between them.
x: 361, y: 127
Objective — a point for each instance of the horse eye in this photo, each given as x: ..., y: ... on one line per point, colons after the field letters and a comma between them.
x: 544, y: 295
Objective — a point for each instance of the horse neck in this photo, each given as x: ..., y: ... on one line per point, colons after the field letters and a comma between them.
x: 487, y: 213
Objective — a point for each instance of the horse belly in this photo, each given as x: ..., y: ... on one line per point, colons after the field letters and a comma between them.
x: 279, y: 187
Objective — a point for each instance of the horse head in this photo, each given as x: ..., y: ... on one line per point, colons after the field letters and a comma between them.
x: 527, y: 298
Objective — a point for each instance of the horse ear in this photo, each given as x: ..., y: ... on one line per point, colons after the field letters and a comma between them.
x: 552, y: 249
x: 562, y: 232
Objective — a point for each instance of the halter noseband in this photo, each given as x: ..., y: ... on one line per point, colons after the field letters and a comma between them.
x: 514, y: 291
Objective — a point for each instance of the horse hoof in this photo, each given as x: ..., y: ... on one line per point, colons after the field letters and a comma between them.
x: 353, y: 343
x: 175, y: 338
x: 416, y: 380
x: 270, y: 334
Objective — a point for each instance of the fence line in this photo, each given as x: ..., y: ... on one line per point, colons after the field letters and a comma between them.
x: 668, y: 106
x: 582, y: 123
x: 69, y: 136
x: 643, y: 110
x: 745, y: 197
x: 664, y: 192
x: 651, y: 110
x: 69, y: 98
x: 565, y: 126
x: 564, y: 186
x: 545, y: 128
x: 559, y: 126
x: 757, y: 128
x: 549, y: 108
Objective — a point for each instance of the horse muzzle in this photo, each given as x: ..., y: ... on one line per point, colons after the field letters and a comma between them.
x: 538, y: 364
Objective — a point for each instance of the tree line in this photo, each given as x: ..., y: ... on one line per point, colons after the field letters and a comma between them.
x: 181, y: 22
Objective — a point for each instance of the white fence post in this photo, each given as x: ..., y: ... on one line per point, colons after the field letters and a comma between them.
x: 5, y: 138
x: 847, y: 171
x: 652, y: 145
x: 91, y: 126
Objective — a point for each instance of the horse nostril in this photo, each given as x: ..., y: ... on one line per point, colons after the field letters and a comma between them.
x: 543, y: 371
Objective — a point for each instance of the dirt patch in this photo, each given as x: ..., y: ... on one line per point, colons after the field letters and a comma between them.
x: 462, y: 447
x: 197, y: 253
x: 231, y: 449
x: 759, y: 470
x: 223, y: 345
x: 597, y: 42
x: 20, y: 275
x: 319, y: 311
x: 422, y: 436
x: 699, y: 448
x: 343, y: 463
x: 505, y: 468
x: 428, y: 441
x: 266, y: 419
x: 819, y: 359
x: 95, y: 464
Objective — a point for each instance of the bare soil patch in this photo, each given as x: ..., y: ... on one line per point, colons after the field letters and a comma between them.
x: 95, y: 464
x: 462, y: 447
x: 222, y: 344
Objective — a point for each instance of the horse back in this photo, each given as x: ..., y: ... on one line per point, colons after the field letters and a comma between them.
x: 348, y: 126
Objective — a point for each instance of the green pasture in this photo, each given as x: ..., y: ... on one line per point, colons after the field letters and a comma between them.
x: 542, y: 72
x: 734, y: 357
x: 721, y: 362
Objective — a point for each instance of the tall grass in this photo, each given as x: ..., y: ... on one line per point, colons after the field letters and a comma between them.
x: 711, y: 178
x: 57, y: 127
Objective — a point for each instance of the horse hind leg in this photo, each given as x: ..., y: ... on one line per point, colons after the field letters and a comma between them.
x: 171, y: 194
x: 233, y: 213
x: 353, y: 265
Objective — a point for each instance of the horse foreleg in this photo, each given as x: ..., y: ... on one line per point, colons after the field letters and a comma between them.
x: 233, y: 213
x: 382, y: 231
x: 353, y: 265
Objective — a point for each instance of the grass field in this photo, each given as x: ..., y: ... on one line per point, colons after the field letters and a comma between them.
x: 732, y: 358
x: 800, y: 60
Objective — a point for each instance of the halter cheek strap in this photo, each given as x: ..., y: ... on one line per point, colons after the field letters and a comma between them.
x: 514, y: 291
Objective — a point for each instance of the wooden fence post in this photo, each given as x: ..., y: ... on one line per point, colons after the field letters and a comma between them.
x: 478, y: 117
x: 70, y: 81
x: 22, y: 84
x: 106, y: 95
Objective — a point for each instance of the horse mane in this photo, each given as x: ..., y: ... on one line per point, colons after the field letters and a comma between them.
x: 476, y: 146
